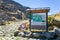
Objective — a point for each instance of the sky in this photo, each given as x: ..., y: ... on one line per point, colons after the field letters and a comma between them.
x: 53, y: 4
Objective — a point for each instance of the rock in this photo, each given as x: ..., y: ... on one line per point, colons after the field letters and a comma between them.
x: 56, y: 20
x: 1, y: 32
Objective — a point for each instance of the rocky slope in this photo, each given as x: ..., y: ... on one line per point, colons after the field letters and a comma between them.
x: 10, y: 8
x: 56, y: 20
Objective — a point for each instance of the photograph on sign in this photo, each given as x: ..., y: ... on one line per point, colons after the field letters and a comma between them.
x: 38, y: 22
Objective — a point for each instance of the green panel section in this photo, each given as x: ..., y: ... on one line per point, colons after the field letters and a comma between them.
x: 36, y: 18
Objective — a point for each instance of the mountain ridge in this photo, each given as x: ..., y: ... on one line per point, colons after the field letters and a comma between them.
x: 8, y: 7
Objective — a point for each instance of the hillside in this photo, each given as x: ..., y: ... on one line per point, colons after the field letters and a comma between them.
x: 10, y: 8
x: 55, y: 19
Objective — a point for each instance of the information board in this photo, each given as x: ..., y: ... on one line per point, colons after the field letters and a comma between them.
x: 38, y: 22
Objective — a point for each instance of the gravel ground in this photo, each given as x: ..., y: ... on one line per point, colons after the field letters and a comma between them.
x: 7, y: 32
x: 18, y: 38
x: 21, y: 38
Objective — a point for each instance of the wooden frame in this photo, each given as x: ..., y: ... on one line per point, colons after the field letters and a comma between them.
x: 39, y: 11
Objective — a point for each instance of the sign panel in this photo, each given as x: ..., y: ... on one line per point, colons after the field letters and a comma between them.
x: 38, y: 22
